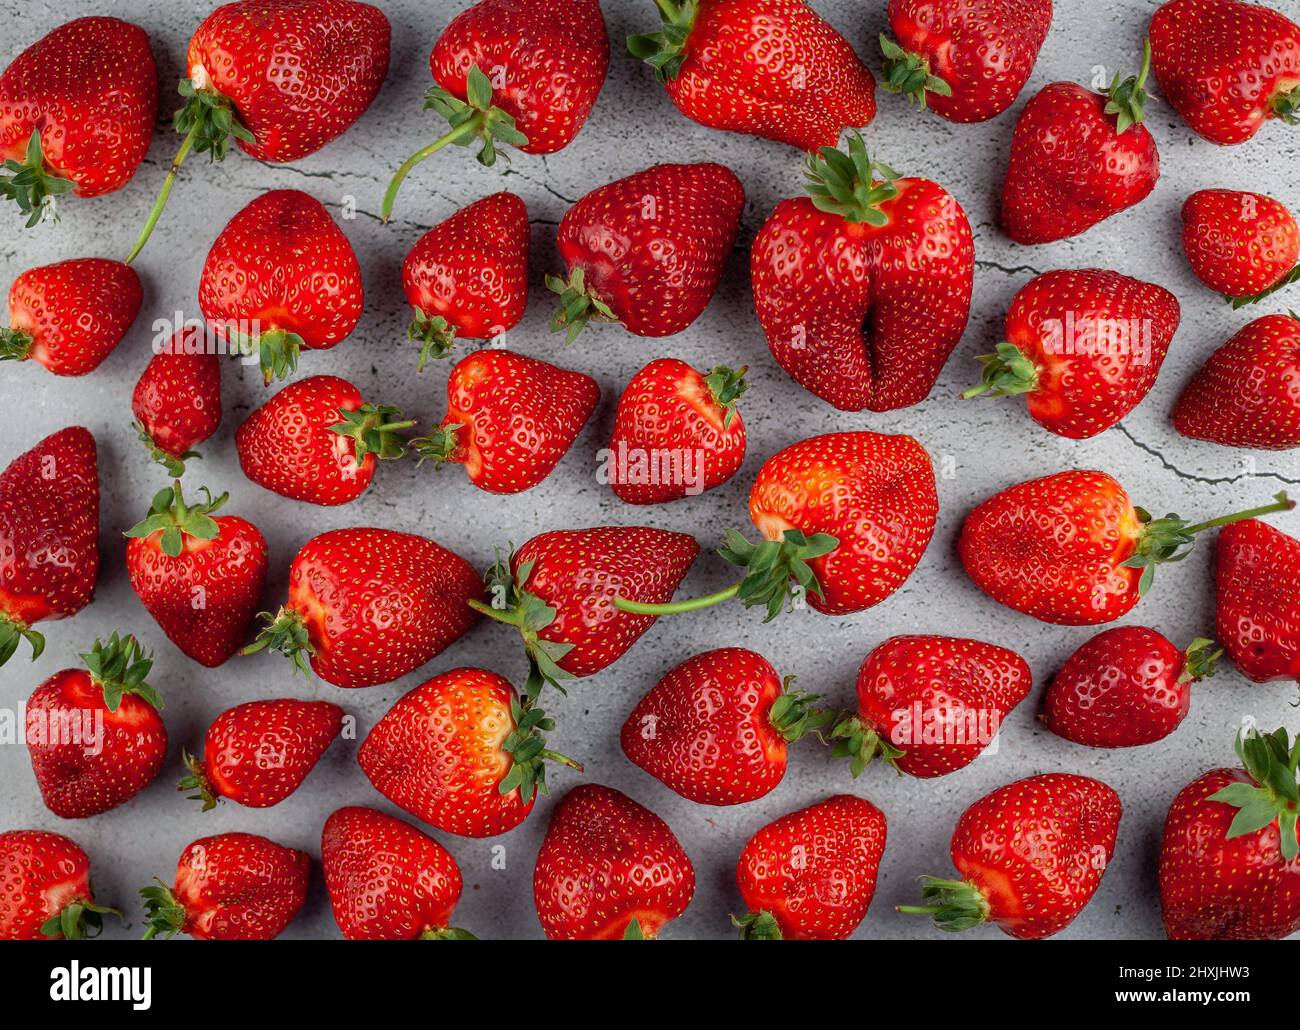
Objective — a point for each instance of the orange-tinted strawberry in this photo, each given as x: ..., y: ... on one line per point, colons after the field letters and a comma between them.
x: 45, y: 889
x: 1245, y: 245
x: 1258, y: 596
x: 177, y: 399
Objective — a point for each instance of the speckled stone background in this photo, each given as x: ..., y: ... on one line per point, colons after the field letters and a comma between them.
x: 978, y: 448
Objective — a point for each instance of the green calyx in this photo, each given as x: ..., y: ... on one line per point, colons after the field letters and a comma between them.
x: 442, y: 445
x: 794, y: 714
x: 173, y: 463
x: 375, y: 429
x: 15, y: 345
x: 1007, y: 372
x: 850, y: 185
x: 1291, y: 277
x: 1200, y: 661
x: 662, y: 50
x: 197, y: 780
x: 436, y: 336
x: 163, y: 913
x: 12, y: 631
x: 121, y: 667
x: 78, y: 920
x: 446, y: 933
x: 286, y: 632
x: 635, y: 932
x: 578, y: 305
x: 1128, y: 98
x: 1271, y: 761
x: 727, y: 387
x: 954, y: 905
x: 909, y: 74
x: 758, y: 926
x: 526, y: 745
x: 277, y: 351
x: 1286, y: 106
x: 171, y: 516
x: 860, y: 743
x: 30, y: 186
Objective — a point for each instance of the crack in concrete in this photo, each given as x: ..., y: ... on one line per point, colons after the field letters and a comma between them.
x: 1017, y: 270
x: 1192, y: 477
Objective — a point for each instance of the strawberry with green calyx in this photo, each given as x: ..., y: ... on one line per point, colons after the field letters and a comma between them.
x: 177, y: 520
x: 45, y: 889
x: 1274, y: 796
x: 910, y: 74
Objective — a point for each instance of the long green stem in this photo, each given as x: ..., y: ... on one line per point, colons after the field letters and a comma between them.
x: 1283, y: 503
x: 677, y: 607
x: 164, y: 194
x: 467, y: 128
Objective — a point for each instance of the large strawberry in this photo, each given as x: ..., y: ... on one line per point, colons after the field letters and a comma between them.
x: 77, y: 110
x: 94, y: 734
x: 198, y: 574
x: 864, y: 288
x: 1245, y: 245
x: 367, y: 606
x: 647, y: 251
x: 1031, y: 855
x: 177, y: 399
x: 45, y: 891
x: 1072, y: 549
x: 770, y: 68
x: 1084, y: 347
x: 1258, y: 597
x: 49, y: 536
x: 510, y: 419
x: 69, y: 316
x: 810, y: 875
x: 609, y: 869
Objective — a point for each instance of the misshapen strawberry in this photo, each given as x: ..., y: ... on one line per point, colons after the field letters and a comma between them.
x: 177, y: 399
x: 1245, y: 245
x: 45, y: 891
x: 1258, y: 596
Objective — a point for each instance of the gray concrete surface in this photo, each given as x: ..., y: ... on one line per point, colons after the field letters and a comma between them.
x: 981, y: 447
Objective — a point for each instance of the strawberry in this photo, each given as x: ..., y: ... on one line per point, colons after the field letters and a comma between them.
x: 77, y: 110
x: 468, y: 275
x: 510, y: 419
x: 609, y: 869
x: 677, y: 432
x: 863, y: 289
x: 1245, y: 245
x: 367, y: 606
x: 461, y: 753
x: 45, y: 889
x: 318, y: 441
x: 69, y: 316
x: 200, y: 576
x: 810, y: 875
x: 1245, y: 394
x: 769, y: 68
x: 281, y: 277
x: 49, y: 536
x: 968, y: 60
x: 1230, y: 858
x: 1072, y: 549
x: 231, y: 887
x: 387, y: 881
x: 1258, y: 596
x: 1227, y: 67
x: 1078, y: 157
x: 177, y: 399
x: 258, y: 753
x: 716, y: 727
x: 647, y: 251
x: 1031, y: 855
x: 94, y: 734
x: 1084, y: 347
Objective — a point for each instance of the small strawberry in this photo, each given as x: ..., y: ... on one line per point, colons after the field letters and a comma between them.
x: 609, y: 869
x: 1031, y: 855
x: 647, y: 251
x: 177, y: 399
x: 1245, y: 245
x: 810, y: 875
x: 1258, y: 597
x: 45, y: 891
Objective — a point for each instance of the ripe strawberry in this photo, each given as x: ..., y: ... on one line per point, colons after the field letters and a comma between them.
x: 864, y: 288
x: 810, y: 875
x: 510, y: 419
x: 1031, y: 855
x: 231, y: 887
x: 49, y: 536
x: 677, y: 432
x: 468, y: 275
x: 387, y: 881
x: 1084, y: 347
x: 968, y: 60
x: 77, y: 110
x: 177, y: 399
x: 281, y: 277
x: 45, y: 889
x: 609, y: 869
x: 1245, y: 394
x: 1258, y: 592
x: 94, y: 734
x: 1245, y: 245
x: 69, y: 316
x: 367, y: 606
x: 647, y: 251
x: 257, y: 754
x: 318, y: 441
x: 769, y: 68
x: 1227, y: 67
x: 1072, y: 549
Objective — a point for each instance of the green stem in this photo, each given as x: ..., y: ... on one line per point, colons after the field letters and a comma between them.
x: 918, y: 910
x: 163, y: 195
x: 677, y: 607
x: 1283, y: 503
x: 467, y: 128
x: 559, y: 759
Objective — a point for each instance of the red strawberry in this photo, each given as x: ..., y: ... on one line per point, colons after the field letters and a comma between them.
x: 1227, y: 67
x: 45, y: 889
x: 966, y: 59
x: 368, y: 606
x: 647, y: 251
x: 1072, y: 549
x: 1230, y: 859
x: 810, y: 875
x: 677, y: 432
x: 318, y: 441
x: 94, y: 734
x: 510, y: 419
x: 468, y: 275
x: 387, y: 881
x: 49, y: 536
x: 1245, y: 245
x: 609, y: 869
x: 231, y: 887
x: 69, y: 316
x: 1084, y: 347
x: 77, y: 110
x: 177, y: 399
x: 1258, y: 592
x: 281, y: 277
x: 864, y: 288
x: 770, y: 68
x: 1246, y: 394
x: 257, y: 754
x: 1031, y: 855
